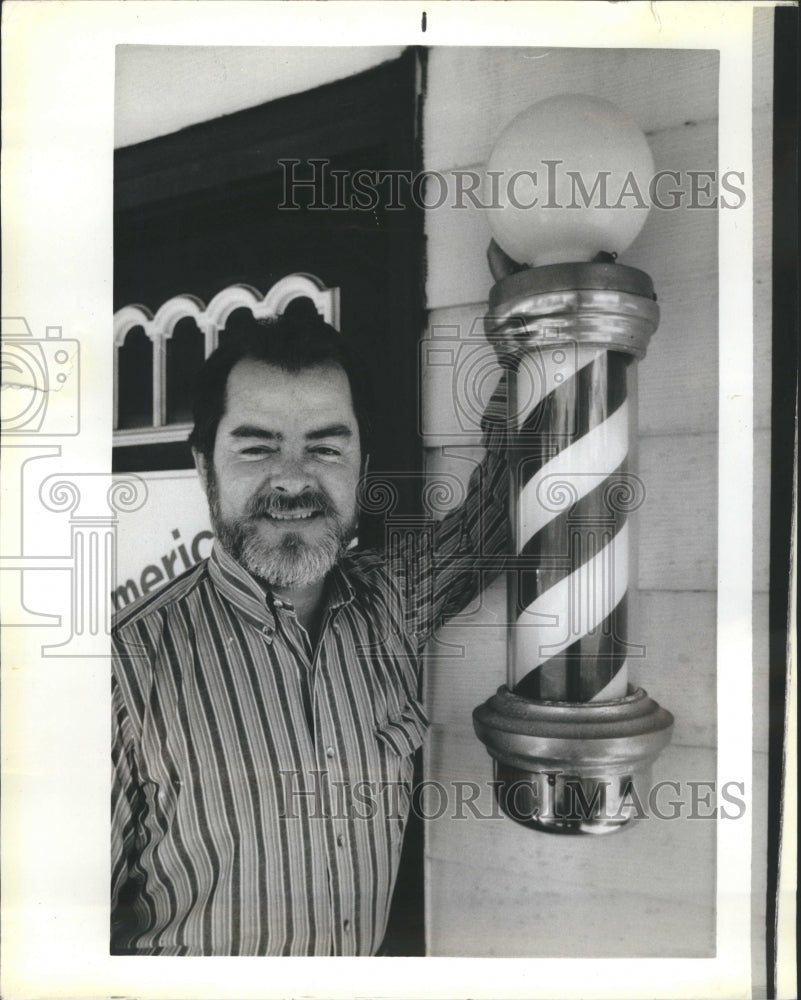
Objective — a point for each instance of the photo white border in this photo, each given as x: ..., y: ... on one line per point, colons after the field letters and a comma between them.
x: 58, y: 87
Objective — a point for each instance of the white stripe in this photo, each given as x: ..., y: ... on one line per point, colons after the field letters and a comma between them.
x: 573, y: 607
x: 578, y: 469
x: 616, y: 688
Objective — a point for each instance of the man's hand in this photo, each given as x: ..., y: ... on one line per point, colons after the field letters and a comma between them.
x: 511, y: 340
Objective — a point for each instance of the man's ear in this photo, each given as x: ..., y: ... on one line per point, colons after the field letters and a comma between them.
x: 202, y: 467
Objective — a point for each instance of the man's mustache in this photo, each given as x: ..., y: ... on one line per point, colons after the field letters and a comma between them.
x: 309, y: 502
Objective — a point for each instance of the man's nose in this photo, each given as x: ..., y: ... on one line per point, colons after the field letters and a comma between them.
x: 291, y: 478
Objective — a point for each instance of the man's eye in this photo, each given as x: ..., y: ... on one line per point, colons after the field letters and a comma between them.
x: 326, y: 451
x: 257, y: 451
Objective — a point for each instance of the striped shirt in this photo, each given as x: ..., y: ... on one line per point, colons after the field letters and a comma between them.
x: 261, y: 787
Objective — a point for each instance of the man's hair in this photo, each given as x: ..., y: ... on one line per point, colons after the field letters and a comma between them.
x: 292, y: 343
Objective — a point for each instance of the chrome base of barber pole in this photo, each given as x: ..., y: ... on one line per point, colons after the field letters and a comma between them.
x: 563, y: 767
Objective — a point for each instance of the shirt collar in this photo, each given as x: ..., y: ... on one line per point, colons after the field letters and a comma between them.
x: 248, y: 596
x: 340, y: 589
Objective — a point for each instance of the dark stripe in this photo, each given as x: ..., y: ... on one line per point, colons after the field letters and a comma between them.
x: 340, y: 708
x: 159, y: 873
x: 267, y: 725
x: 234, y: 695
x: 568, y: 412
x: 269, y: 746
x: 198, y: 781
x: 583, y: 668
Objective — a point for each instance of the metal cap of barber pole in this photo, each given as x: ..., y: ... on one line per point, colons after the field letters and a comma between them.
x: 607, y: 304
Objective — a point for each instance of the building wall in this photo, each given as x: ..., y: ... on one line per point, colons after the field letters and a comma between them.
x: 163, y: 88
x: 494, y: 887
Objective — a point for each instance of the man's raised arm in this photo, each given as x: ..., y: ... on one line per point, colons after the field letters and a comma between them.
x: 468, y: 547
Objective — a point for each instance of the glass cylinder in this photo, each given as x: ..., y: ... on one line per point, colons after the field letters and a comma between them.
x: 572, y: 494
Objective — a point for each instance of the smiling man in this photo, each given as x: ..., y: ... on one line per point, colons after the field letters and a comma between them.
x: 265, y: 703
x: 294, y: 431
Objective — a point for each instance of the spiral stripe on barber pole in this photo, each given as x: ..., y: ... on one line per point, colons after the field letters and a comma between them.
x: 569, y: 598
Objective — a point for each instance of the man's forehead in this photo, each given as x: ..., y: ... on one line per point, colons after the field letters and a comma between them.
x: 256, y: 386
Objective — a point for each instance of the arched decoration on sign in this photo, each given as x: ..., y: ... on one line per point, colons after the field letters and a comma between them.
x: 210, y: 320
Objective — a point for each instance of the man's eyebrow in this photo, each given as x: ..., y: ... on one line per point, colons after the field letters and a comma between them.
x: 332, y: 430
x: 252, y: 431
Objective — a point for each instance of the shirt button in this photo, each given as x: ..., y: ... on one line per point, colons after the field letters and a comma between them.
x: 329, y: 752
x: 340, y: 840
x: 346, y: 925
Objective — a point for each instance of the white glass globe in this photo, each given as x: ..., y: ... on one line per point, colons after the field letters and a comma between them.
x: 568, y: 178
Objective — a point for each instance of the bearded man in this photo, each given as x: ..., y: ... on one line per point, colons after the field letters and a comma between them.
x: 265, y: 702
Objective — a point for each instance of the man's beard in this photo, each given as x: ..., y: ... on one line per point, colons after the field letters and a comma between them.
x: 292, y: 561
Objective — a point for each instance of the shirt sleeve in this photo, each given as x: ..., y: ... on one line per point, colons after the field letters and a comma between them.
x: 125, y: 805
x: 448, y: 566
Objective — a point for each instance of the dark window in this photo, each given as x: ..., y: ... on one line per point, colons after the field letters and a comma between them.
x: 185, y: 351
x: 235, y: 322
x: 135, y: 368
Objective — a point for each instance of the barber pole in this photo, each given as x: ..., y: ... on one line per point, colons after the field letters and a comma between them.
x: 571, y: 738
x: 569, y: 603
